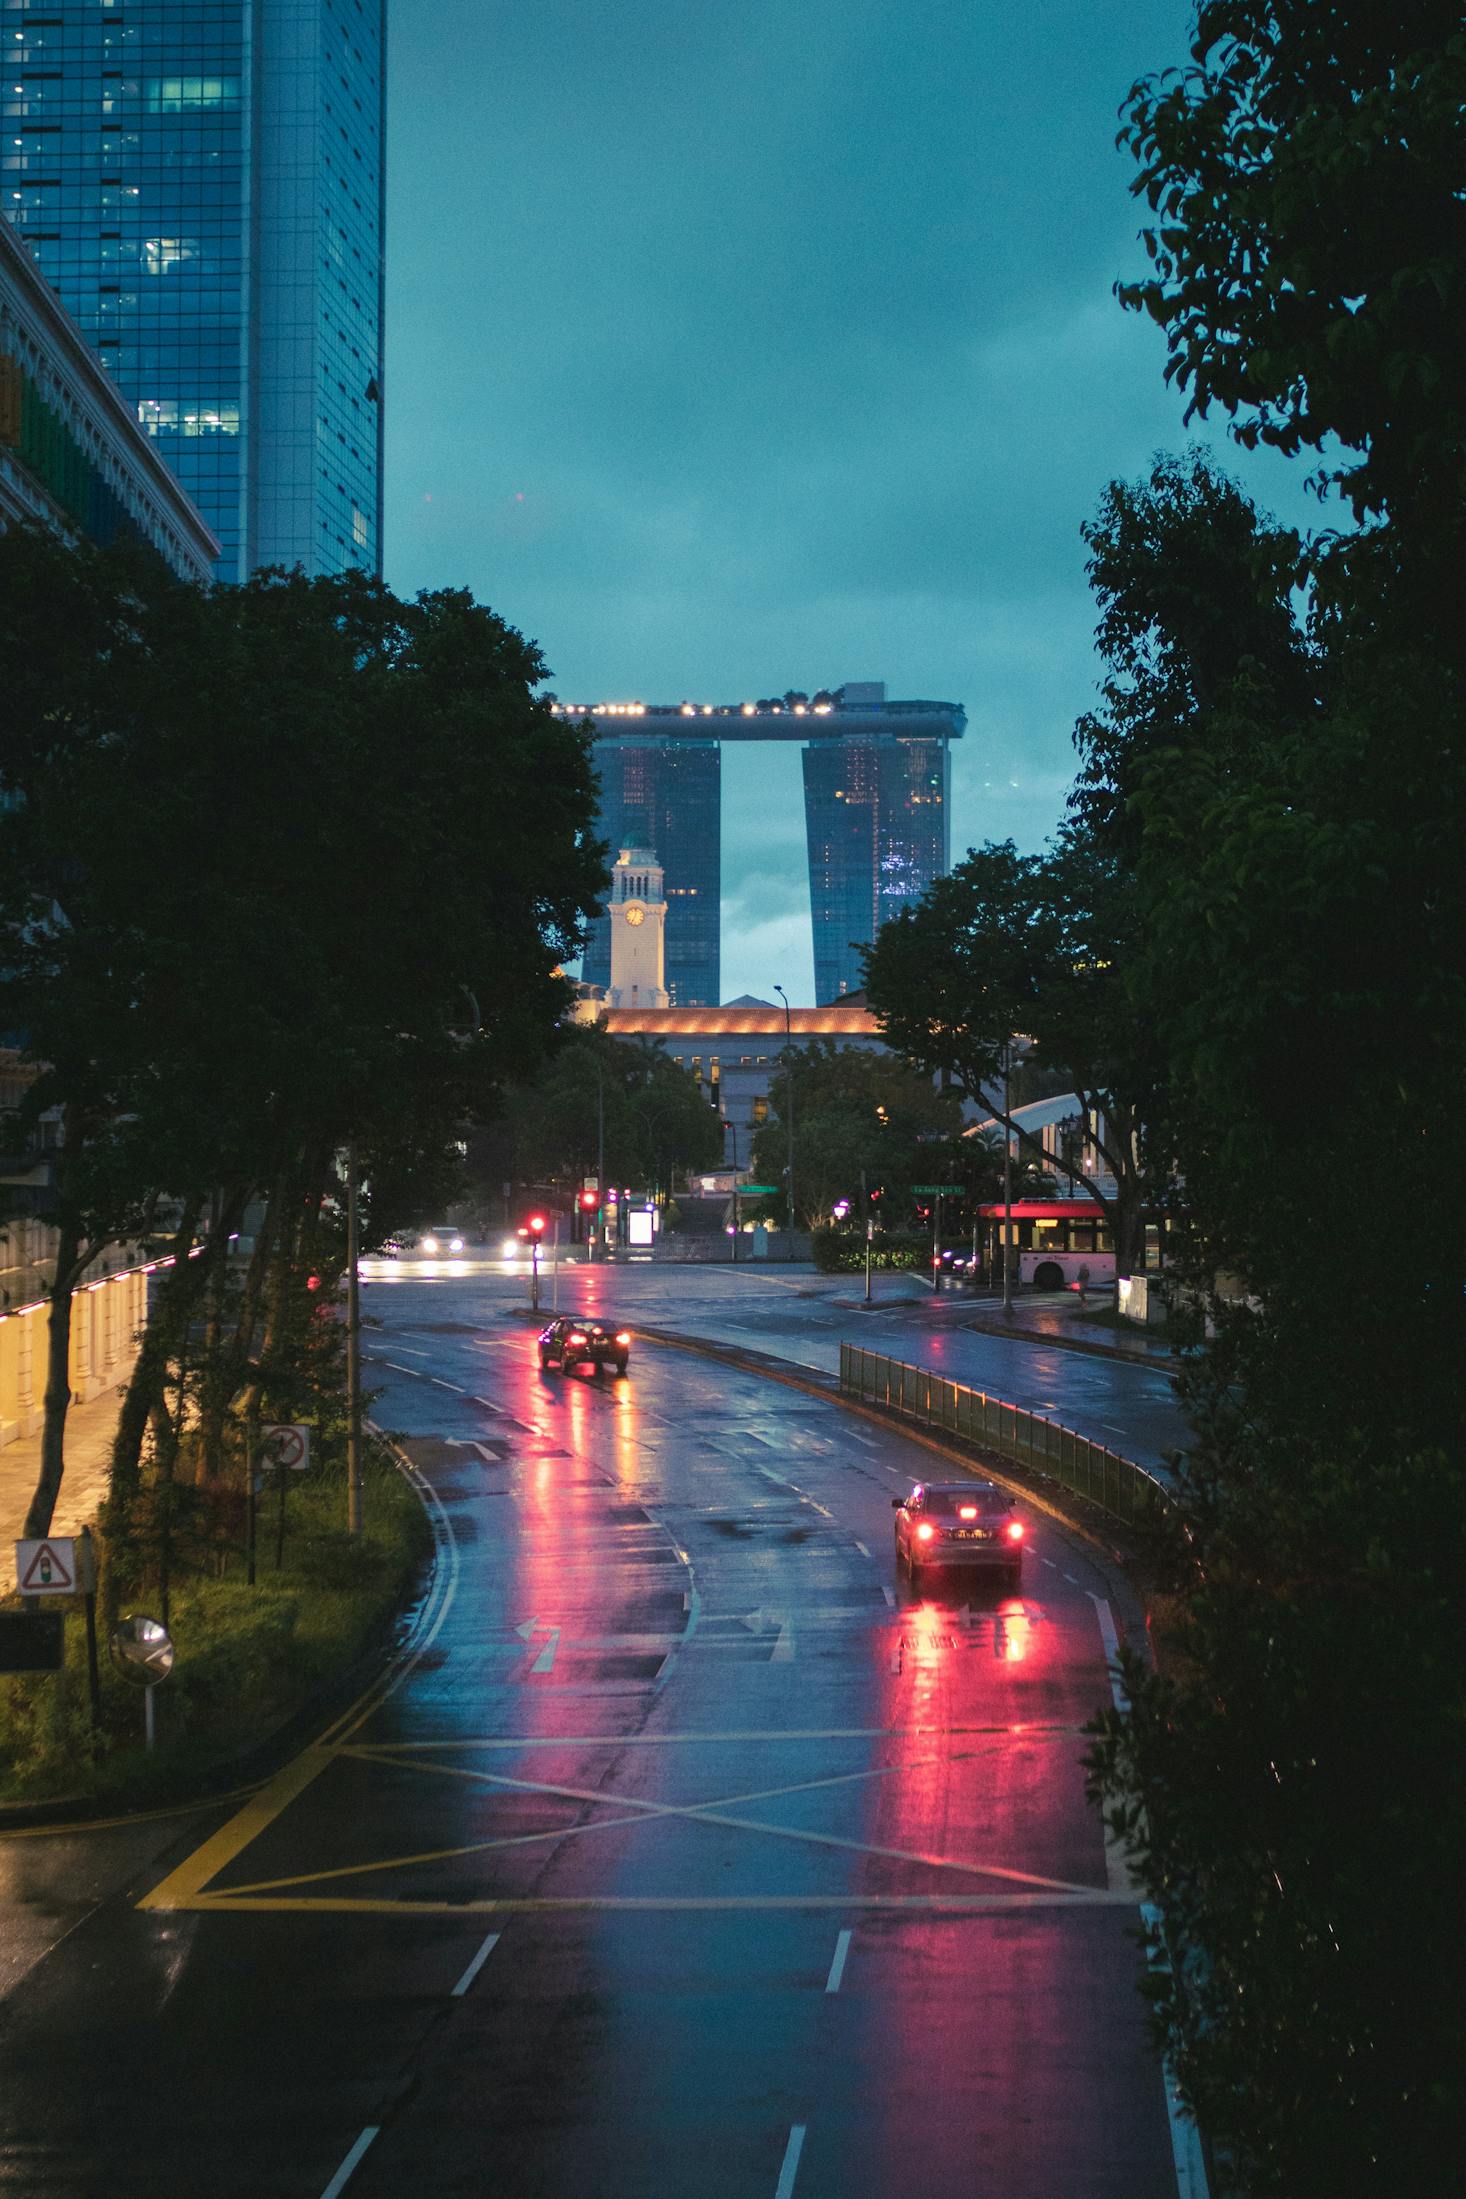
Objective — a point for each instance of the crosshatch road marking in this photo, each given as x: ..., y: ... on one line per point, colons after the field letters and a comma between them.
x: 191, y: 1886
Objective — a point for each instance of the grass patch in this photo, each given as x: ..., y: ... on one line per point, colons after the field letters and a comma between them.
x: 245, y: 1657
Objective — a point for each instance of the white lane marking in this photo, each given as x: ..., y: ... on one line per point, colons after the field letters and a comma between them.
x: 782, y: 1652
x: 1118, y: 1875
x: 820, y: 1508
x: 1051, y: 1565
x: 889, y: 1593
x: 837, y: 1967
x: 785, y: 2186
x: 398, y: 1368
x: 349, y: 2166
x: 475, y: 1966
x: 545, y: 1661
x: 1111, y: 1641
x: 438, y: 1383
x: 1186, y: 2155
x: 1114, y: 1428
x: 1069, y: 1577
x: 860, y: 1546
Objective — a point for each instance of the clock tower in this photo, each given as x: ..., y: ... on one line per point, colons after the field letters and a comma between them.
x: 638, y: 912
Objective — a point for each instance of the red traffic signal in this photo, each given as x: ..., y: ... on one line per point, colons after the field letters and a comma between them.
x: 589, y: 1201
x: 536, y: 1225
x: 313, y: 1282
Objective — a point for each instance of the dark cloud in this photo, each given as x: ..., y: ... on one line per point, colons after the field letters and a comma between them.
x: 757, y: 345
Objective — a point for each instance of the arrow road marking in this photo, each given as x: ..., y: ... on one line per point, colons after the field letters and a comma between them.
x: 544, y: 1662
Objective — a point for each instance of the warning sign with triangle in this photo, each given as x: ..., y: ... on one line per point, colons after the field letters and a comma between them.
x: 47, y: 1568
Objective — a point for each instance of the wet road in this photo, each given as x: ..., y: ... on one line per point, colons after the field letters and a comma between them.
x: 803, y: 1316
x: 683, y: 1855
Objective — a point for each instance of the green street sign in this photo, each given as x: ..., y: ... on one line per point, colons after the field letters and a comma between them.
x: 755, y: 1190
x: 936, y: 1190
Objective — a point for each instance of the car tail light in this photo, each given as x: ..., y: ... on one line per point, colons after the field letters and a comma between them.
x: 967, y: 1511
x: 925, y: 1531
x: 1014, y: 1530
x: 623, y: 1336
x: 576, y: 1339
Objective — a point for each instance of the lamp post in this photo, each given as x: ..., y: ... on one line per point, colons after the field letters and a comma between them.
x: 789, y: 1116
x: 732, y: 1129
x: 1007, y: 1181
x: 353, y: 1355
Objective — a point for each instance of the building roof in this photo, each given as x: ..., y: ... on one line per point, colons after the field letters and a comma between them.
x: 836, y: 1021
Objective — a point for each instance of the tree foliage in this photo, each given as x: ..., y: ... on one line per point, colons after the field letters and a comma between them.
x: 857, y: 1114
x: 283, y: 867
x: 593, y: 1088
x: 1032, y: 946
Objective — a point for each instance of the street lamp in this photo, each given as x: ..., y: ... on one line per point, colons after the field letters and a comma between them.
x: 789, y: 1117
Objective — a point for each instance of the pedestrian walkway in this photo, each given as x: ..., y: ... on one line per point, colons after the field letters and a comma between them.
x: 89, y: 1432
x: 1059, y: 1318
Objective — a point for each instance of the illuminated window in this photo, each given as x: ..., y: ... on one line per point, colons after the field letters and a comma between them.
x: 176, y: 95
x: 761, y: 1108
x: 167, y: 416
x: 161, y: 253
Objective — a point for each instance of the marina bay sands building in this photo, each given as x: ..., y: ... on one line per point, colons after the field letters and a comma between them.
x: 877, y: 786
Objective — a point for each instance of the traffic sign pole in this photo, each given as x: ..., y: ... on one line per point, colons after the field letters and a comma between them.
x: 94, y: 1678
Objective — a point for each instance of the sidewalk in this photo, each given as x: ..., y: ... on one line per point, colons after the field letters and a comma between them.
x: 89, y: 1432
x: 1060, y: 1319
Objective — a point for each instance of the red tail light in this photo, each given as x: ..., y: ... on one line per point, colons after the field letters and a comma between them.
x: 967, y: 1511
x: 575, y: 1339
x: 1014, y: 1530
x: 925, y: 1531
x: 623, y: 1336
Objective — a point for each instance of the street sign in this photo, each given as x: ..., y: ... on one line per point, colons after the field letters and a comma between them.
x: 31, y: 1641
x: 756, y: 1190
x: 937, y: 1190
x: 286, y: 1443
x: 61, y: 1565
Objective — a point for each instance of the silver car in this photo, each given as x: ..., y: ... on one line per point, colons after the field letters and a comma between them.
x: 971, y: 1524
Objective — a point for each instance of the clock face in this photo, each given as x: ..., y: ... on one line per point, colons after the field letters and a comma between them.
x: 634, y: 912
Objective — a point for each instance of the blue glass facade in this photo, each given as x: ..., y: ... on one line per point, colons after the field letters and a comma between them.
x: 877, y: 808
x: 201, y: 181
x: 665, y: 792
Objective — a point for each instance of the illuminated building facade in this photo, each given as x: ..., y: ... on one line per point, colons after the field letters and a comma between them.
x: 201, y: 182
x: 877, y: 806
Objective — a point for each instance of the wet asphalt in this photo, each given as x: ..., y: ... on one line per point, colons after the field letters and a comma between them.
x: 685, y: 1851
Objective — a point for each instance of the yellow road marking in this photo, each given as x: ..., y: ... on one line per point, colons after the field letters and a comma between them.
x: 182, y: 1887
x: 536, y: 1905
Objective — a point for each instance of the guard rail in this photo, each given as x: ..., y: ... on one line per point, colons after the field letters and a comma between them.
x: 1091, y: 1470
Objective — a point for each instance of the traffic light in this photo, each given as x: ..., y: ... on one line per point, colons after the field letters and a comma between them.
x: 313, y: 1282
x: 589, y: 1201
x: 536, y: 1226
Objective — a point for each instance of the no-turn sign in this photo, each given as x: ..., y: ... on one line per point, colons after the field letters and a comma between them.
x: 286, y: 1443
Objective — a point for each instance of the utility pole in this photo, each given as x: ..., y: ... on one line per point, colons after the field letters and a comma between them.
x: 353, y: 1351
x: 789, y: 1104
x: 732, y: 1129
x: 1007, y: 1180
x: 869, y: 1230
x: 599, y: 1246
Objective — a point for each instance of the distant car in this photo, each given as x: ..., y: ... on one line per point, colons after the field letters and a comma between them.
x: 967, y: 1524
x: 567, y: 1343
x: 440, y: 1242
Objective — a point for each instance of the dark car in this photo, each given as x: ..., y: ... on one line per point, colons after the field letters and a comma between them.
x: 971, y: 1524
x: 568, y: 1343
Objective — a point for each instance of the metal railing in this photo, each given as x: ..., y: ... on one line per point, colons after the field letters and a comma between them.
x: 1091, y: 1470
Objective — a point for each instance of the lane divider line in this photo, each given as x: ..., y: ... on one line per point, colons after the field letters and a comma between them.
x: 475, y: 1966
x: 785, y: 2187
x: 860, y: 1546
x: 837, y: 1967
x: 352, y: 2162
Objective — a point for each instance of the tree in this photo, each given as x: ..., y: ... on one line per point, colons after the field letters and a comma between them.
x: 1309, y: 256
x: 857, y: 1115
x: 1037, y: 945
x: 247, y: 911
x: 624, y: 1095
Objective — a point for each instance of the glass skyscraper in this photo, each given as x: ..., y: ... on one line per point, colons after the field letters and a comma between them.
x: 202, y: 183
x: 877, y: 809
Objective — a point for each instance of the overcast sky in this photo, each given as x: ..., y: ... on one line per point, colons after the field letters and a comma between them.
x: 739, y: 345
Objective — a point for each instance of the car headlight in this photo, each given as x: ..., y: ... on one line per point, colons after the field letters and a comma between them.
x: 430, y: 1244
x: 455, y: 1244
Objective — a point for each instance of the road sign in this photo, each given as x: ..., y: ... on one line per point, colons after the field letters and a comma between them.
x: 937, y: 1190
x: 61, y: 1565
x: 755, y: 1190
x: 31, y: 1641
x: 286, y: 1443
